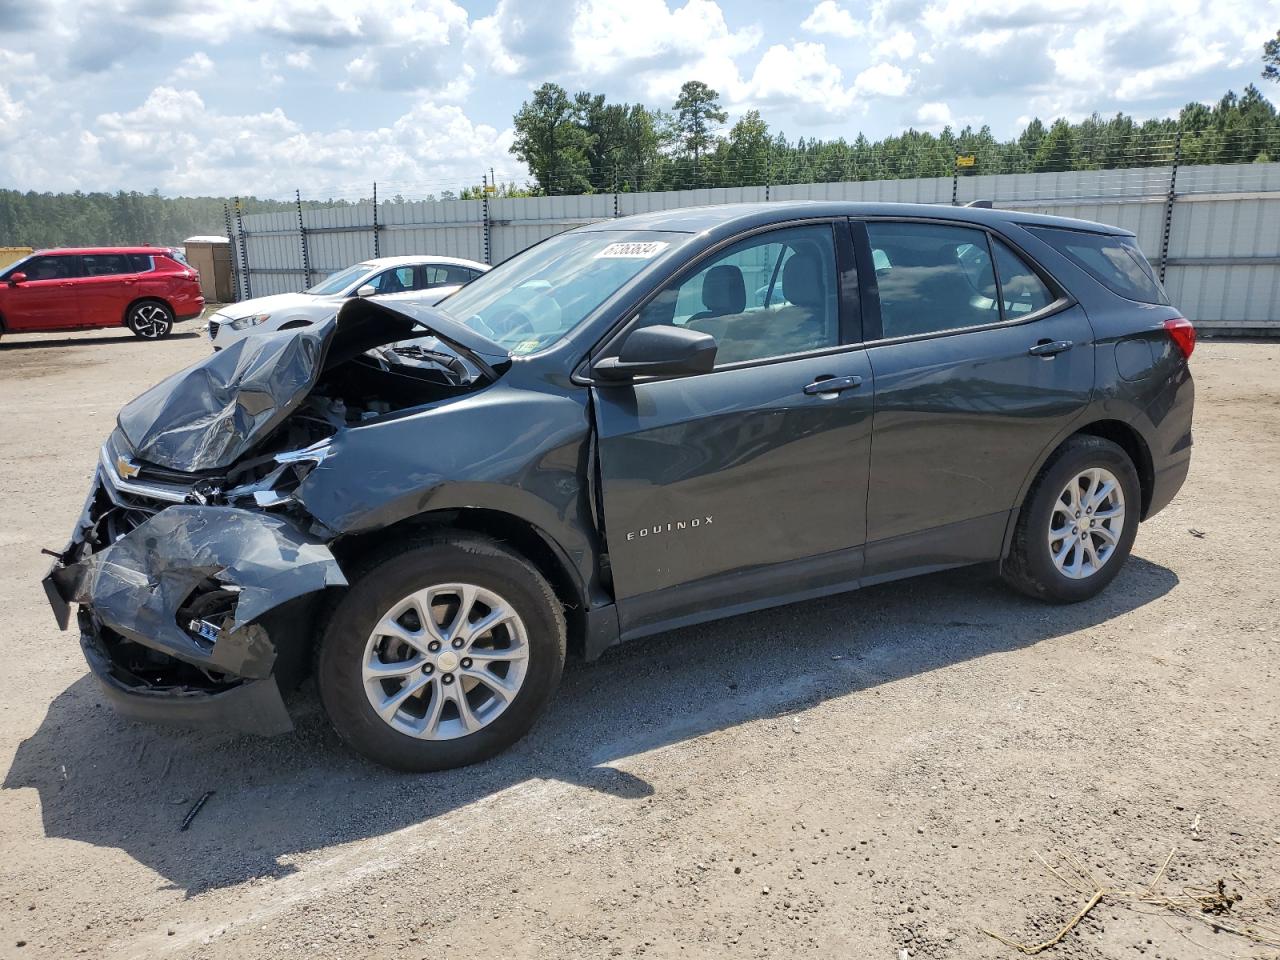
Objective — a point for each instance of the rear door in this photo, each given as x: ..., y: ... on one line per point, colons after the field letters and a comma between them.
x: 980, y: 362
x: 431, y: 275
x: 47, y: 299
x: 747, y: 485
x: 108, y: 284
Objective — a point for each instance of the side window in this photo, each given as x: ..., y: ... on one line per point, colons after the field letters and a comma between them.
x: 139, y: 263
x: 767, y: 296
x: 458, y: 275
x: 51, y: 268
x: 1021, y: 288
x: 105, y: 264
x: 397, y: 280
x: 1113, y: 260
x: 433, y: 275
x: 934, y: 277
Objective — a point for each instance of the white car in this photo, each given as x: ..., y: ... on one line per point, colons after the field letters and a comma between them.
x: 432, y: 278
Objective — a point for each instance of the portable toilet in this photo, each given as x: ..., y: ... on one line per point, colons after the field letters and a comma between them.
x: 211, y: 257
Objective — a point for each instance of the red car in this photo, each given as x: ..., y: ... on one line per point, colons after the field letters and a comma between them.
x: 146, y: 289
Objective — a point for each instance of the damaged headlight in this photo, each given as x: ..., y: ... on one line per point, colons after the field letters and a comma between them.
x: 291, y: 468
x: 244, y: 323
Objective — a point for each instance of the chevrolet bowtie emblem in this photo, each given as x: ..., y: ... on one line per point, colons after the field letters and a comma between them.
x: 127, y: 468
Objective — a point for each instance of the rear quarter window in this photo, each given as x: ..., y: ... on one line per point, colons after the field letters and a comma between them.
x: 1114, y: 261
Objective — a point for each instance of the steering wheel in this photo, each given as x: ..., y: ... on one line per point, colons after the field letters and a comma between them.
x: 514, y: 322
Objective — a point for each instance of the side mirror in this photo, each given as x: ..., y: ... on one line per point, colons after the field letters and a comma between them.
x: 17, y: 278
x: 660, y: 351
x: 368, y: 290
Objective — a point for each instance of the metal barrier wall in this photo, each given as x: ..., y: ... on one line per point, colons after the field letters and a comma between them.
x: 1212, y: 231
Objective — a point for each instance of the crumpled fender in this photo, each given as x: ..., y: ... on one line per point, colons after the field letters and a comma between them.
x: 136, y: 585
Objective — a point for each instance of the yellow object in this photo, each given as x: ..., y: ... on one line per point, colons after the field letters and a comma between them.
x: 10, y: 254
x: 966, y: 160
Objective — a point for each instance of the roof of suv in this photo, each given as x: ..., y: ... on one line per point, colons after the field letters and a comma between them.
x: 89, y: 251
x: 745, y: 215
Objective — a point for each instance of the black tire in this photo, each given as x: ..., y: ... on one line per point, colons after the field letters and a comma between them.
x: 150, y: 320
x: 387, y: 579
x: 1029, y: 567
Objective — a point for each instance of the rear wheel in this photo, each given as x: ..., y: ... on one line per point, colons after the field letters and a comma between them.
x: 1077, y: 524
x: 150, y: 320
x: 441, y: 654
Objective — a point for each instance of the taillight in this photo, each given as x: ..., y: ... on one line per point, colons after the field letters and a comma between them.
x: 1183, y: 334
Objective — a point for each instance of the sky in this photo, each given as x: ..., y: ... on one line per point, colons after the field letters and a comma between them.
x: 259, y: 97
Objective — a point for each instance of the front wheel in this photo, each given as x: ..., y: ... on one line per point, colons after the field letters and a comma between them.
x: 150, y: 320
x: 442, y: 654
x: 1077, y: 524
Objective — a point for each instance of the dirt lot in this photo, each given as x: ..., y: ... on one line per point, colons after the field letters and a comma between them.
x: 867, y: 776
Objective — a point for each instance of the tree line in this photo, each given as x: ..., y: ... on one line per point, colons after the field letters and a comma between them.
x: 583, y: 144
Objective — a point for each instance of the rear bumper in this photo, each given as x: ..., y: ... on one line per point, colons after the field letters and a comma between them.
x: 188, y: 309
x: 1167, y: 482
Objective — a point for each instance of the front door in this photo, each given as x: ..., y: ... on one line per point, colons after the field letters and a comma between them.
x: 47, y: 299
x: 744, y: 486
x: 994, y: 365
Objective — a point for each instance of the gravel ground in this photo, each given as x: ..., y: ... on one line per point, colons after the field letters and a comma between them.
x: 869, y: 776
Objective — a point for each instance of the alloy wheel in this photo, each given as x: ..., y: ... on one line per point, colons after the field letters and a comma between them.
x: 445, y: 661
x: 1086, y: 523
x: 150, y: 321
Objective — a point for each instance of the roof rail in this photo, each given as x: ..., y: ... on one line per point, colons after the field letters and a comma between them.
x: 983, y: 204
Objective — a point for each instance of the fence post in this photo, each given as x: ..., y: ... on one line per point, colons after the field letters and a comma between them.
x: 615, y: 189
x: 768, y: 172
x: 488, y: 252
x: 244, y: 251
x: 1169, y: 200
x: 302, y: 240
x: 375, y: 218
x: 955, y: 181
x: 231, y: 239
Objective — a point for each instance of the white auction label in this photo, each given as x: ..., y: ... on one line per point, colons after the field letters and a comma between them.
x: 633, y: 250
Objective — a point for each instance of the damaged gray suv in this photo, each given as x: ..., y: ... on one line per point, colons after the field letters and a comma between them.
x: 640, y: 424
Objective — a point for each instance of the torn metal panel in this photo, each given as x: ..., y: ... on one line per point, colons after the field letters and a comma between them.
x: 137, y: 585
x: 211, y: 414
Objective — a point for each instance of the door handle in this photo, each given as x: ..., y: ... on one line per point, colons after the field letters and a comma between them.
x: 830, y: 386
x: 1050, y: 348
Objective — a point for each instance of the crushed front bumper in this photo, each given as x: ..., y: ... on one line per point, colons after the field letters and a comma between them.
x: 184, y: 618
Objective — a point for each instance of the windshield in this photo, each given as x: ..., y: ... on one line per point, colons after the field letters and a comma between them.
x: 537, y: 297
x: 338, y: 282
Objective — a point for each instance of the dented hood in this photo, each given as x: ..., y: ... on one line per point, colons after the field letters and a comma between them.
x: 211, y: 414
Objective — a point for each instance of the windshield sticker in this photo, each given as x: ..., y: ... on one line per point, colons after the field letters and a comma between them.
x: 633, y: 250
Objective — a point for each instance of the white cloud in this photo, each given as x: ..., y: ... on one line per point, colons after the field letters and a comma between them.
x: 900, y: 44
x: 800, y: 74
x: 11, y: 114
x: 933, y: 117
x: 193, y: 67
x: 830, y: 18
x: 174, y: 140
x: 882, y: 80
x: 299, y: 60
